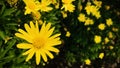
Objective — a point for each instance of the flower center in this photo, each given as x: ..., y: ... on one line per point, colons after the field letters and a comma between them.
x: 38, y: 43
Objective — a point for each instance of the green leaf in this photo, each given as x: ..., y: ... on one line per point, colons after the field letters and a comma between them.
x: 8, y: 12
x: 2, y: 34
x: 10, y: 44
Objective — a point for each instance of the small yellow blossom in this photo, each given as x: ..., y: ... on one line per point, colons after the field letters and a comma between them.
x: 101, y: 55
x: 111, y: 47
x: 97, y: 39
x: 97, y: 14
x: 110, y: 34
x: 88, y: 28
x: 109, y: 22
x: 107, y: 7
x: 114, y: 29
x: 97, y: 3
x: 68, y: 6
x: 68, y: 34
x: 82, y: 17
x: 88, y: 21
x: 44, y: 5
x: 101, y: 26
x: 87, y: 62
x: 88, y: 8
x: 31, y: 7
x: 64, y: 14
x: 106, y: 40
x: 94, y: 10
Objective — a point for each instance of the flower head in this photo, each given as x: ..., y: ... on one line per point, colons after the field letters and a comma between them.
x: 87, y: 61
x: 109, y: 22
x: 44, y: 5
x: 40, y: 42
x: 101, y: 26
x: 68, y: 6
x: 82, y: 17
x: 31, y: 6
x: 101, y: 55
x: 97, y: 39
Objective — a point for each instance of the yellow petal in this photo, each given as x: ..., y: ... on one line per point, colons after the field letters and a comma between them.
x: 49, y: 33
x: 23, y: 37
x: 28, y: 51
x: 47, y: 27
x: 32, y: 25
x: 30, y: 55
x: 49, y: 54
x: 53, y: 49
x: 42, y: 29
x: 54, y: 36
x: 38, y: 57
x: 24, y: 46
x: 37, y: 28
x: 43, y: 55
x: 22, y: 31
x: 29, y: 30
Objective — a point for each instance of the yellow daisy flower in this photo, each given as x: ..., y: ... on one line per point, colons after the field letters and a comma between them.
x: 98, y: 3
x: 101, y: 26
x: 44, y: 5
x: 87, y: 62
x: 40, y: 41
x: 82, y: 17
x: 68, y: 6
x: 88, y: 21
x: 106, y: 40
x: 111, y: 47
x: 101, y: 55
x: 97, y: 39
x: 31, y: 7
x: 109, y: 22
x: 68, y: 34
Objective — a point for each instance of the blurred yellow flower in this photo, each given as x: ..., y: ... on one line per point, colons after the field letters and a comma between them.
x: 64, y: 14
x: 88, y: 28
x: 88, y: 8
x: 44, y: 6
x: 107, y: 7
x: 106, y: 40
x: 97, y: 3
x: 68, y: 6
x: 111, y: 47
x: 101, y: 55
x: 114, y: 29
x: 97, y: 39
x: 88, y: 21
x: 110, y: 34
x: 94, y: 10
x: 97, y: 14
x: 68, y: 34
x: 87, y: 62
x: 82, y: 17
x: 40, y: 41
x: 109, y: 22
x: 31, y: 7
x: 101, y: 26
